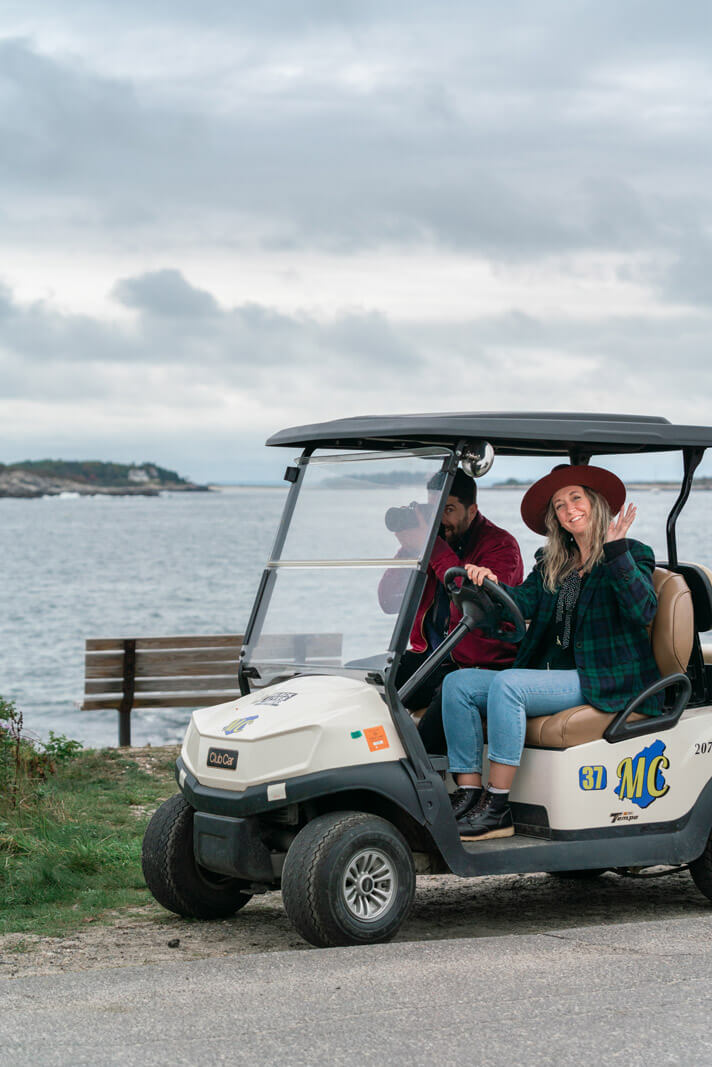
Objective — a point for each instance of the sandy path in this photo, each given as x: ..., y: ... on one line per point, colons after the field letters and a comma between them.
x: 445, y: 907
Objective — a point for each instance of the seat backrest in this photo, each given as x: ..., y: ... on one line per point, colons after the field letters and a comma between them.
x: 673, y: 628
x: 699, y: 579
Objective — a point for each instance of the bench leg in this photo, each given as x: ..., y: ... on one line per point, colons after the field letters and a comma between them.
x: 128, y: 694
x: 124, y: 728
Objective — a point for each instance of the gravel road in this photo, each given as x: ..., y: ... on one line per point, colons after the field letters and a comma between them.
x: 633, y: 993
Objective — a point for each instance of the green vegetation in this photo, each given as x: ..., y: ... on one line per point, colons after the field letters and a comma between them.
x: 93, y: 472
x: 71, y: 825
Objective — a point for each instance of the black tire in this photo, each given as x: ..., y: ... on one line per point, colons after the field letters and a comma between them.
x: 173, y: 876
x: 348, y: 879
x: 701, y: 870
x: 580, y: 876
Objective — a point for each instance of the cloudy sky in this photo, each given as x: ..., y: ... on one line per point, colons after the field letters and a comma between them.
x: 223, y: 218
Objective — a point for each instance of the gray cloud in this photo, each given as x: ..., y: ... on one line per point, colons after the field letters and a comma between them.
x: 165, y: 293
x: 545, y: 134
x: 183, y: 338
x: 189, y: 357
x: 689, y: 279
x: 556, y: 129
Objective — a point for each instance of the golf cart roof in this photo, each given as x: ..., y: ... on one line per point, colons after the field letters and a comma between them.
x: 510, y: 433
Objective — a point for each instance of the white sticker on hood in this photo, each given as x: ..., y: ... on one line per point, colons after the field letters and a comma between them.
x: 275, y: 698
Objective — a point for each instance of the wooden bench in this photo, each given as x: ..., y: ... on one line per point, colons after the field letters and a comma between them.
x: 181, y: 672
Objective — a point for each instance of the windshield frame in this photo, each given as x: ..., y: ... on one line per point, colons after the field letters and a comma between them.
x: 403, y: 621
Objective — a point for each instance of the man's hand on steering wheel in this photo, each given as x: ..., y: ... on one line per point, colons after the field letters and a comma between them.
x: 478, y: 574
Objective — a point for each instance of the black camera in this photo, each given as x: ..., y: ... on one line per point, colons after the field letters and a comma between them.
x: 405, y: 518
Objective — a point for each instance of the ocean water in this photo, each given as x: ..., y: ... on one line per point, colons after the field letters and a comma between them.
x: 78, y: 567
x: 120, y: 566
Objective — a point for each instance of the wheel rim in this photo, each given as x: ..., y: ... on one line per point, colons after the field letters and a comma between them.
x: 369, y: 885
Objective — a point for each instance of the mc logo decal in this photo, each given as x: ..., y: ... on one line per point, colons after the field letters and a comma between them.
x: 640, y: 777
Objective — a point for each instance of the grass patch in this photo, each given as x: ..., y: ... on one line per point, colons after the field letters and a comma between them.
x: 70, y: 841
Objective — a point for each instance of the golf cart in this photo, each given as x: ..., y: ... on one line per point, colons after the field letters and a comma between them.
x: 316, y: 779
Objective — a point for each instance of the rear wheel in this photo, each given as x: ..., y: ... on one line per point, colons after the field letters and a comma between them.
x: 701, y: 870
x: 175, y: 879
x: 348, y: 879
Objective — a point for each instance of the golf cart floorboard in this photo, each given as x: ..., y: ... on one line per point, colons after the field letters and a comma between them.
x: 525, y: 854
x: 504, y: 843
x: 518, y: 854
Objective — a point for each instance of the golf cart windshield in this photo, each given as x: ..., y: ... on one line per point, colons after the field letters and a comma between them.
x: 351, y: 541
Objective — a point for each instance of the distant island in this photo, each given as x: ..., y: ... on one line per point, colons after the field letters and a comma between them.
x: 699, y: 483
x: 52, y: 477
x: 398, y: 479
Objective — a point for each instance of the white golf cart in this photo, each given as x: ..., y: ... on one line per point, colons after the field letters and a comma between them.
x: 316, y: 779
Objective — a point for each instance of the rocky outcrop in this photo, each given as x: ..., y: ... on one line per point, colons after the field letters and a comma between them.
x: 145, y: 480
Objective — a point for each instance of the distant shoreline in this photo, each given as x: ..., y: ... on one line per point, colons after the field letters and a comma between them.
x: 704, y: 485
x: 75, y: 490
x: 36, y: 488
x: 35, y: 479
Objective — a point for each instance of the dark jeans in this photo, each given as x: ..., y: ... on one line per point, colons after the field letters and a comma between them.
x: 430, y: 726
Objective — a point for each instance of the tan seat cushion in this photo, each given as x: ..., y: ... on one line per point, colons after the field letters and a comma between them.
x: 574, y: 726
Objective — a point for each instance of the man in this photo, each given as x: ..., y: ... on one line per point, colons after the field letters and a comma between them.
x: 466, y: 536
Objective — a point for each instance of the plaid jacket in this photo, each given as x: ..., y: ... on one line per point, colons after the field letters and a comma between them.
x: 611, y: 643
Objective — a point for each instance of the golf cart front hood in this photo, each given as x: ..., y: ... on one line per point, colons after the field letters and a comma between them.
x: 304, y: 725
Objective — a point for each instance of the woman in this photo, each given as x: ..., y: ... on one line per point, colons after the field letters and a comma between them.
x: 590, y: 599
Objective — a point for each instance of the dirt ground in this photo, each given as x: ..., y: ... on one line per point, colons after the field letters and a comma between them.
x: 445, y: 907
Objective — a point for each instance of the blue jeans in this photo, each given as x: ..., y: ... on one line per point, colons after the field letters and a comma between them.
x: 506, y: 699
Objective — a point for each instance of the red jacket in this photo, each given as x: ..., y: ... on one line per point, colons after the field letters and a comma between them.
x: 486, y: 545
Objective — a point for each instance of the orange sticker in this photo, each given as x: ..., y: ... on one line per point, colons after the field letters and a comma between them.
x: 376, y: 738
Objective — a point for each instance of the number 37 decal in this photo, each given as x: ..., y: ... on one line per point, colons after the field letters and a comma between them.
x: 592, y: 778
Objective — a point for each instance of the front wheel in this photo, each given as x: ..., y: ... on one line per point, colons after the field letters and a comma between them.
x: 348, y: 879
x: 175, y: 879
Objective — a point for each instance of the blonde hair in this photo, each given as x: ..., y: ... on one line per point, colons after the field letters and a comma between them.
x: 560, y: 554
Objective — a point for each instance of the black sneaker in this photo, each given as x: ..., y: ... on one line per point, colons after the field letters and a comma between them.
x: 464, y: 799
x: 492, y: 817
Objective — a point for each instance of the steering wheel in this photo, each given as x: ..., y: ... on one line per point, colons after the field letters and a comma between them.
x: 488, y: 605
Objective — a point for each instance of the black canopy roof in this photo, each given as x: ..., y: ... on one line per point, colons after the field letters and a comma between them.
x: 510, y: 433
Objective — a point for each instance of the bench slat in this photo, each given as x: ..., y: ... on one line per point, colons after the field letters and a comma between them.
x: 167, y: 701
x: 104, y: 665
x: 157, y: 664
x: 186, y: 685
x: 185, y: 670
x: 103, y: 685
x: 155, y: 661
x: 164, y: 685
x: 184, y: 666
x: 161, y: 655
x: 111, y: 644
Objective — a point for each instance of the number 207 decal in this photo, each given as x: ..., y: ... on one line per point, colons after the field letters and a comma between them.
x: 592, y: 778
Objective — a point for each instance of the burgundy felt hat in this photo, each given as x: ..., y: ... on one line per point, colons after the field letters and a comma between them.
x: 537, y: 497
